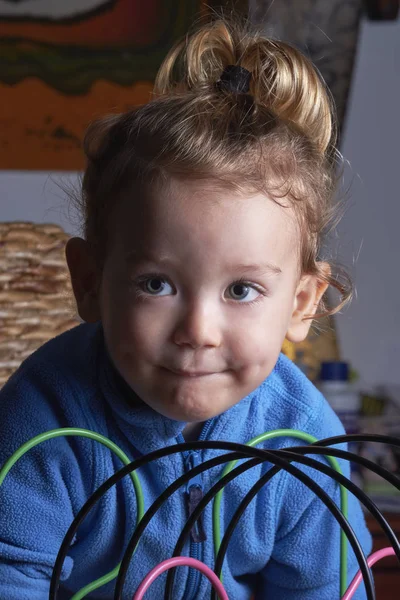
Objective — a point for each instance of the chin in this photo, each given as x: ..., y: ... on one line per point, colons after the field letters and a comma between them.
x: 189, y: 414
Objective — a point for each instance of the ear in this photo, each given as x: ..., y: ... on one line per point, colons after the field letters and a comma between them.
x: 85, y: 279
x: 307, y: 298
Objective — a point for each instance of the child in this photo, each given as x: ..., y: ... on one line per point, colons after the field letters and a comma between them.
x: 203, y: 214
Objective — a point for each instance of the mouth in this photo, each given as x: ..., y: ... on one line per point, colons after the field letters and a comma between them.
x: 183, y: 373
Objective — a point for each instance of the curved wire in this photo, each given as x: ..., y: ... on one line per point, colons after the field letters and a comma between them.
x: 347, y: 438
x: 268, y: 435
x: 276, y: 458
x: 305, y: 437
x: 185, y: 561
x: 77, y: 431
x: 165, y: 452
x: 291, y: 455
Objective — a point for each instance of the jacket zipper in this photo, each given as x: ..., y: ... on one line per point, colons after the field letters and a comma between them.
x: 194, y: 493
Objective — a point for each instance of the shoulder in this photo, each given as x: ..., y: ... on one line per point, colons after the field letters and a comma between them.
x: 286, y: 399
x: 52, y: 388
x: 72, y: 349
x: 299, y: 403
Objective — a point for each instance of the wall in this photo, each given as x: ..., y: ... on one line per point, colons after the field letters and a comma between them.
x: 369, y: 331
x: 38, y: 197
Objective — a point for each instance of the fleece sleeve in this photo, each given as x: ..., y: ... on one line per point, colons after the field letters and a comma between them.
x: 305, y: 563
x: 40, y: 495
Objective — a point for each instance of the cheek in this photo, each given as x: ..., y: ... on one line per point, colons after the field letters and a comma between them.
x: 249, y: 343
x: 131, y: 326
x: 258, y: 340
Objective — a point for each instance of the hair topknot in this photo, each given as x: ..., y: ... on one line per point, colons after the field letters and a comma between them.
x: 283, y: 80
x: 278, y: 138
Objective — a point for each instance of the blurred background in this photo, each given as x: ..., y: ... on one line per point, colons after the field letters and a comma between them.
x: 63, y: 64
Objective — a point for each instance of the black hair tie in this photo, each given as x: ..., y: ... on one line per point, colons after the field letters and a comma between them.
x: 235, y: 79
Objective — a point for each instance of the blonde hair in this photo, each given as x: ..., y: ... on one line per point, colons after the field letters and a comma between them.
x: 278, y: 139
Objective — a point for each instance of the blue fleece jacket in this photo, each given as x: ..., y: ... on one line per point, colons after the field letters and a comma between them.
x: 286, y: 546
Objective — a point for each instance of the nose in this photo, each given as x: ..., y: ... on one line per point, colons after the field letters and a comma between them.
x: 198, y: 326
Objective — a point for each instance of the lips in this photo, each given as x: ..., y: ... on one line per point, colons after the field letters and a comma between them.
x: 184, y: 373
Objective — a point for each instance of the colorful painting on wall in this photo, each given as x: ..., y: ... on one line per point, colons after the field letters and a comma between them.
x: 65, y: 63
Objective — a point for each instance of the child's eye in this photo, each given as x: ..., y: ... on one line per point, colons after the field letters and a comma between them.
x: 242, y: 290
x: 155, y: 286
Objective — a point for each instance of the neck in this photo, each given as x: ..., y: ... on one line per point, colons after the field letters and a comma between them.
x: 192, y: 431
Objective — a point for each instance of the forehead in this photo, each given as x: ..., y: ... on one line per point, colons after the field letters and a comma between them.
x: 188, y: 215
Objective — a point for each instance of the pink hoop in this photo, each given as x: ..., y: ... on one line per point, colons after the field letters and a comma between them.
x: 176, y: 562
x: 371, y: 561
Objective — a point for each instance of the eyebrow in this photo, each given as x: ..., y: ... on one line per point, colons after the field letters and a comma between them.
x: 139, y: 256
x: 262, y: 268
x: 136, y: 257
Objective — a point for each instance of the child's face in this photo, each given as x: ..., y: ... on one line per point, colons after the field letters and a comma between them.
x: 184, y: 333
